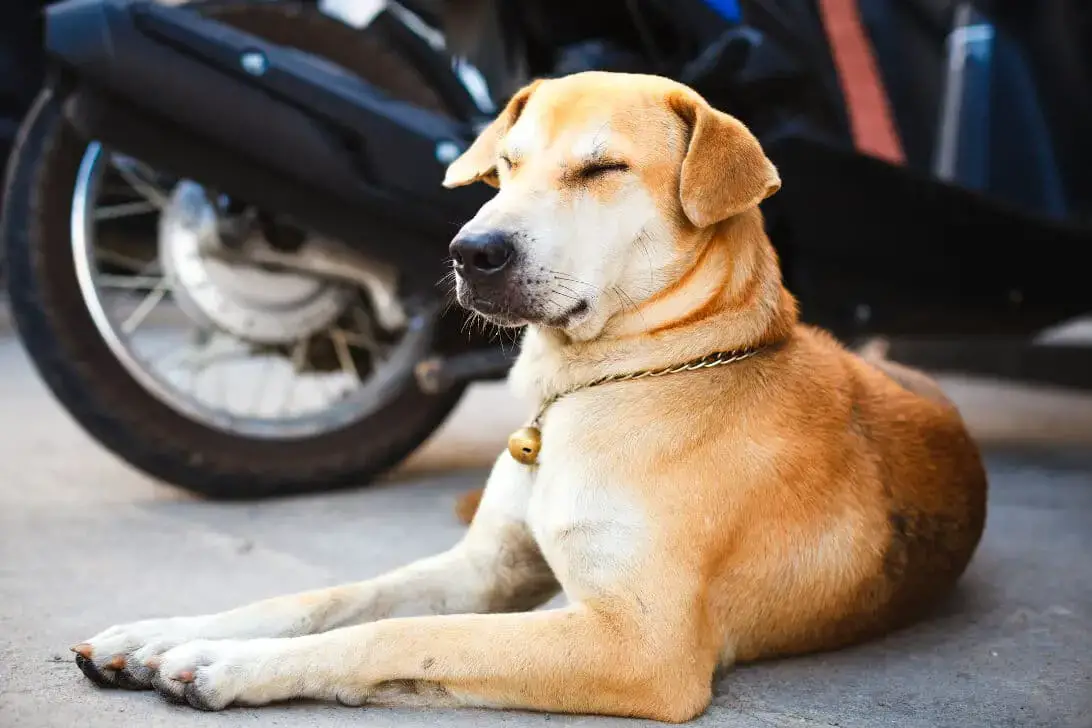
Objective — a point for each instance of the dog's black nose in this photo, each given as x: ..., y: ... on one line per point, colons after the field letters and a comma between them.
x: 478, y: 255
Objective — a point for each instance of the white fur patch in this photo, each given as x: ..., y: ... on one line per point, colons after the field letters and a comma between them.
x: 590, y: 534
x: 592, y: 142
x: 590, y: 529
x: 507, y: 491
x: 524, y: 138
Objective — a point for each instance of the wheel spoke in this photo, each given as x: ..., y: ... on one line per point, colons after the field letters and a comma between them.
x: 361, y: 341
x: 136, y: 318
x: 112, y: 257
x: 131, y: 171
x: 132, y: 283
x: 344, y: 356
x: 364, y: 338
x: 261, y: 386
x: 126, y: 209
x: 298, y: 361
x: 299, y: 354
x: 181, y: 355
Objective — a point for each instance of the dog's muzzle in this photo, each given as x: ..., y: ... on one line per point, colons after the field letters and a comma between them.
x: 484, y: 262
x: 494, y: 282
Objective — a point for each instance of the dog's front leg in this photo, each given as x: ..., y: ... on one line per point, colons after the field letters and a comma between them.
x: 496, y: 567
x: 572, y: 660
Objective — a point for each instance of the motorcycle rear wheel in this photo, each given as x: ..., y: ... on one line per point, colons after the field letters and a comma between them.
x: 84, y: 373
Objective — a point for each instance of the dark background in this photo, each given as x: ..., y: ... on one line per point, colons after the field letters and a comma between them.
x: 21, y: 64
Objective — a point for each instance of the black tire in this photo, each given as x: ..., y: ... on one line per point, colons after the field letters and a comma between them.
x: 83, y: 374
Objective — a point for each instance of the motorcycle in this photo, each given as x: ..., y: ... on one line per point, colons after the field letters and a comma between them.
x: 284, y: 159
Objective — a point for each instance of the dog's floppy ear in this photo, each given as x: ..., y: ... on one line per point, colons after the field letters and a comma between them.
x: 479, y: 162
x: 725, y: 170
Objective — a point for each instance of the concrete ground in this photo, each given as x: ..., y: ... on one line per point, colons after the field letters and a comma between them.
x: 85, y: 542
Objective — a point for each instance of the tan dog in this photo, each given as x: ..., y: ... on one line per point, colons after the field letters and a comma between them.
x: 800, y: 499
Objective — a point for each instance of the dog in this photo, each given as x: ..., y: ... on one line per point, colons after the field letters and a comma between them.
x: 791, y: 498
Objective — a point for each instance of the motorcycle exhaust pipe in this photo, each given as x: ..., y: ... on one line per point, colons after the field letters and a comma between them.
x: 266, y: 124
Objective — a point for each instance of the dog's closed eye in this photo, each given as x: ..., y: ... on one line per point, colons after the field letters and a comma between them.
x: 598, y: 169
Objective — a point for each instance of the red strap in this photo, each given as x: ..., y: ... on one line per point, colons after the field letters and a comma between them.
x: 870, y: 118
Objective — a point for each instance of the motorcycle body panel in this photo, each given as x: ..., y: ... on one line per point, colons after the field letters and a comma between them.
x: 264, y: 123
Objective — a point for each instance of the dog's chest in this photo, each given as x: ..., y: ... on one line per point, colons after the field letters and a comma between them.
x: 590, y: 530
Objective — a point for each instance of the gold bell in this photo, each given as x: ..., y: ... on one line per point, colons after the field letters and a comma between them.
x: 524, y: 444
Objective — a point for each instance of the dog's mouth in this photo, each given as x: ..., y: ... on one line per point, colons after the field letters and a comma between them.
x: 499, y: 312
x: 501, y: 309
x: 509, y: 310
x: 573, y: 313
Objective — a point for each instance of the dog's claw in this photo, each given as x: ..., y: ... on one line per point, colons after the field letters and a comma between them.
x: 117, y: 662
x: 126, y: 681
x: 82, y: 649
x: 196, y: 700
x: 186, y: 676
x: 87, y: 667
x: 163, y: 688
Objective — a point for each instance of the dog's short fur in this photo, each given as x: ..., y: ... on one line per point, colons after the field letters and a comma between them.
x: 800, y: 500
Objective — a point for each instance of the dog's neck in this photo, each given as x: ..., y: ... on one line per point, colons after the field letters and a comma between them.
x: 728, y: 296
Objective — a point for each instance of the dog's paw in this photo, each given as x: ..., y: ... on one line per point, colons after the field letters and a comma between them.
x: 213, y: 674
x: 125, y: 655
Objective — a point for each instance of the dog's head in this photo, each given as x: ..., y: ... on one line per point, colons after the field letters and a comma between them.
x: 606, y: 182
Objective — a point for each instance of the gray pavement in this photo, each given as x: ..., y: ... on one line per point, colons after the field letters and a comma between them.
x: 85, y: 542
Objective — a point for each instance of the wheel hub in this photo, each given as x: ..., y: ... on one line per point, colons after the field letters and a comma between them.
x: 252, y: 303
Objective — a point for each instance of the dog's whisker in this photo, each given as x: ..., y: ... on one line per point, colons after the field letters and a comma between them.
x: 570, y: 296
x: 642, y: 241
x: 568, y: 278
x: 468, y: 323
x: 628, y: 303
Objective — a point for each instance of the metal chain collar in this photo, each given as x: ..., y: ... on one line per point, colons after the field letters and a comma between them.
x: 709, y: 361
